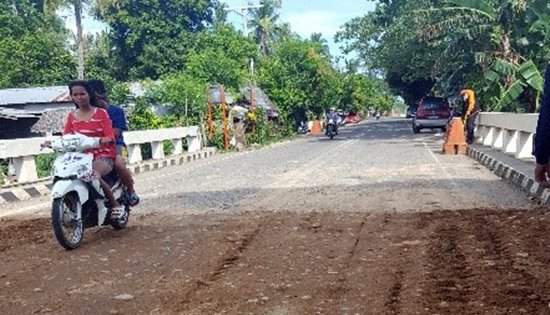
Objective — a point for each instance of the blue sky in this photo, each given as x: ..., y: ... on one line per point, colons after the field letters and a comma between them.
x: 314, y: 16
x: 305, y: 16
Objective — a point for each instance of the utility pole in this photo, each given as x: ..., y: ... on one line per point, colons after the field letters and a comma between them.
x: 243, y: 12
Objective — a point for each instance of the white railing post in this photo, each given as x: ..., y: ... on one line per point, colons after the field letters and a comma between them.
x: 178, y: 146
x: 25, y: 169
x: 157, y: 150
x: 193, y: 144
x: 134, y: 153
x: 488, y: 140
x: 481, y: 132
x: 525, y: 145
x: 511, y: 145
x: 499, y: 140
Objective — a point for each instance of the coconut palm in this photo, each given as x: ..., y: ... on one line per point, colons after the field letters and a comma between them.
x: 264, y: 25
x: 220, y: 13
x: 318, y: 38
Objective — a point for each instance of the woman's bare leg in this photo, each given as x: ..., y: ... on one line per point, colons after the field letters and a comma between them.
x: 103, y: 168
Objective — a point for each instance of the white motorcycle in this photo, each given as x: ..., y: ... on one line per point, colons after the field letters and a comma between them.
x: 78, y: 200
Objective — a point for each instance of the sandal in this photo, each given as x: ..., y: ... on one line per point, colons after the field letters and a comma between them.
x: 133, y: 199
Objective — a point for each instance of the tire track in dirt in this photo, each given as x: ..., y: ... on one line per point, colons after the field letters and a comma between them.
x: 523, y: 291
x: 450, y: 273
x: 338, y: 292
x: 224, y: 264
x: 393, y: 303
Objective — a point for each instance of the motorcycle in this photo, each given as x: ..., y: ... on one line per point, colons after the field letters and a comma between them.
x: 331, y: 128
x: 78, y: 199
x: 303, y: 128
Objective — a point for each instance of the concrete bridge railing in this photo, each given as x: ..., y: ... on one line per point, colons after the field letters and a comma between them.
x: 21, y: 152
x: 508, y: 132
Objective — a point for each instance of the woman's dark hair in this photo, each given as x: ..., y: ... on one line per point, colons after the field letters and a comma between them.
x: 88, y: 89
x: 98, y: 86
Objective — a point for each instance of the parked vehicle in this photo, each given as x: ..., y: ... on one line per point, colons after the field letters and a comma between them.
x: 353, y: 118
x: 78, y: 200
x: 432, y: 113
x: 303, y: 128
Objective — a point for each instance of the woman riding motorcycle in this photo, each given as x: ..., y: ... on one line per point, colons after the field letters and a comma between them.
x: 94, y: 122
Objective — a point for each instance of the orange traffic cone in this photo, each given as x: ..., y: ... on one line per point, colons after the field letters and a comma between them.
x: 316, y: 127
x: 455, y: 141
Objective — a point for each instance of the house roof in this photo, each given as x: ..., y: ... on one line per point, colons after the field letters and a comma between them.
x: 51, y: 121
x: 15, y: 114
x: 52, y: 94
x: 260, y: 98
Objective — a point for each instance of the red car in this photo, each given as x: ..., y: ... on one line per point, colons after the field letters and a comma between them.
x: 432, y: 113
x: 353, y: 118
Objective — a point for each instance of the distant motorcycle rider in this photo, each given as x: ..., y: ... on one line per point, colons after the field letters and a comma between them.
x: 331, y: 114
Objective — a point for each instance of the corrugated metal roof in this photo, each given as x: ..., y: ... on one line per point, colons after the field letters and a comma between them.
x: 34, y: 95
x: 260, y: 98
x: 15, y: 114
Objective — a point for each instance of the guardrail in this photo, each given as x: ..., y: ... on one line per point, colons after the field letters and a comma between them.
x: 508, y: 132
x: 21, y: 152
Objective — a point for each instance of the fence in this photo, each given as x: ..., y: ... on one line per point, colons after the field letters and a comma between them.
x: 22, y: 152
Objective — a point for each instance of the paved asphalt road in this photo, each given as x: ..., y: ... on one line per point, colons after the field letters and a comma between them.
x: 374, y: 166
x: 364, y: 224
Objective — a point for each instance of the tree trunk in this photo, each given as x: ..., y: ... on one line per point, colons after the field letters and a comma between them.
x: 79, y: 38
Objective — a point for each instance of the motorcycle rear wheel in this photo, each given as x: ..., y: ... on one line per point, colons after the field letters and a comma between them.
x: 68, y: 231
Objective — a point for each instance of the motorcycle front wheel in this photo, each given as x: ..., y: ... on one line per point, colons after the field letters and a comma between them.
x: 68, y: 231
x: 330, y: 131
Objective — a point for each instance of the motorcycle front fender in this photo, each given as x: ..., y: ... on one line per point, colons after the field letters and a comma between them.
x: 62, y: 187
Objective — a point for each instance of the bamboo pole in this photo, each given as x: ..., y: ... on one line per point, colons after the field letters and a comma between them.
x: 253, y: 105
x: 210, y: 121
x: 224, y: 117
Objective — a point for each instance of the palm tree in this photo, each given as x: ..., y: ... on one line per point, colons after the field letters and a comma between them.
x: 264, y: 25
x: 220, y: 13
x: 318, y: 38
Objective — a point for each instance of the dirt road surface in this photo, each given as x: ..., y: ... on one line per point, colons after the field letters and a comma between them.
x: 376, y: 222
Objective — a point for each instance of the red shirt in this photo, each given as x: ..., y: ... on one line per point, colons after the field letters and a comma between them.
x: 99, y: 125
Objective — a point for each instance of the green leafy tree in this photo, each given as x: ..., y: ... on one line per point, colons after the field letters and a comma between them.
x: 221, y: 56
x: 32, y: 46
x: 150, y: 38
x: 452, y: 43
x: 299, y: 75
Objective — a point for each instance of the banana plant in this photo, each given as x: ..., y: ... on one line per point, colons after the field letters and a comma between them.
x: 525, y: 76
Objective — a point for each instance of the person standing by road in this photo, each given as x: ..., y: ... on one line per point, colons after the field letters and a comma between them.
x: 470, y: 113
x: 542, y: 138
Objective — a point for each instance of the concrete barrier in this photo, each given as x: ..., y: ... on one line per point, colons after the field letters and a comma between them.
x: 508, y: 132
x: 21, y: 152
